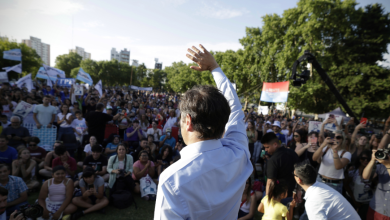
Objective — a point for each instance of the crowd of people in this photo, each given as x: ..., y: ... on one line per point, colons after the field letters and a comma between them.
x: 335, y: 171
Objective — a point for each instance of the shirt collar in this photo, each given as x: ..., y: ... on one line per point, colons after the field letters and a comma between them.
x: 310, y: 189
x: 200, y: 147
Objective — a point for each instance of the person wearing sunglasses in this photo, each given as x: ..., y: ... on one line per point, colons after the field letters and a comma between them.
x: 359, y: 191
x: 332, y: 157
x: 37, y: 153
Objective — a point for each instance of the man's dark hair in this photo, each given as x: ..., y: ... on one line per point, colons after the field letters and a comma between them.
x: 92, y: 99
x: 4, y: 165
x: 88, y: 172
x: 306, y: 172
x: 47, y: 96
x: 96, y: 148
x: 99, y: 106
x: 77, y: 112
x: 60, y: 150
x: 269, y: 138
x: 209, y: 110
x: 35, y: 140
x: 144, y: 139
x: 3, y: 137
x: 3, y: 191
x: 3, y: 116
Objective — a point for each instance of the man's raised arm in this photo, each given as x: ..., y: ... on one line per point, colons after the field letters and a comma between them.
x: 235, y: 127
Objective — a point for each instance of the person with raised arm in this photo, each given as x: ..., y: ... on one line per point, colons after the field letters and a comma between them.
x: 209, y: 179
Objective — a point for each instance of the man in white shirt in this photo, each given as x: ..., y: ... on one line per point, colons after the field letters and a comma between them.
x: 209, y: 179
x: 322, y: 201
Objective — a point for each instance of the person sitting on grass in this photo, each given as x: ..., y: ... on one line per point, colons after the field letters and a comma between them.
x: 93, y: 197
x: 37, y: 153
x: 120, y: 166
x: 142, y: 168
x: 111, y: 147
x: 64, y: 159
x: 16, y: 187
x: 98, y: 162
x: 24, y: 167
x: 56, y: 195
x: 47, y: 171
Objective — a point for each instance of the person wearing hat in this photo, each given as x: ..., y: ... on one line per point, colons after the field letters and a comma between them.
x: 167, y: 139
x: 276, y: 128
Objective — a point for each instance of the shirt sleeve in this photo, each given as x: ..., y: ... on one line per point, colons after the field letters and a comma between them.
x: 272, y: 171
x: 169, y: 204
x: 235, y: 127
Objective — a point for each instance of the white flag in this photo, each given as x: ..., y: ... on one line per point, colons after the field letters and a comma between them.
x: 25, y: 81
x: 3, y: 77
x: 16, y: 68
x: 53, y: 72
x: 99, y: 87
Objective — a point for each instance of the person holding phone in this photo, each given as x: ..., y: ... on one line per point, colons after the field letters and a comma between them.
x: 332, y: 157
x: 306, y: 150
x: 167, y: 139
x: 93, y: 197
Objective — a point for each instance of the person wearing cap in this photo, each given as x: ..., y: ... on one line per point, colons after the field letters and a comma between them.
x: 276, y: 128
x: 167, y: 139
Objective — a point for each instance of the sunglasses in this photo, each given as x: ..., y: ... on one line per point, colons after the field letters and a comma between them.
x: 32, y: 145
x: 338, y: 137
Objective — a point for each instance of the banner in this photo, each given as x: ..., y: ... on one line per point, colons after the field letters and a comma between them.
x: 263, y: 110
x: 53, y: 72
x: 23, y: 109
x: 332, y: 127
x: 16, y: 68
x: 3, y: 77
x: 78, y: 89
x: 315, y: 126
x: 14, y: 54
x: 99, y: 88
x: 84, y: 77
x: 25, y: 81
x: 67, y: 82
x: 141, y: 88
x: 275, y: 92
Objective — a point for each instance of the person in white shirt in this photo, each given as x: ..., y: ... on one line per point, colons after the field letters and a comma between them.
x: 3, y: 206
x: 209, y: 179
x: 322, y: 201
x: 155, y: 131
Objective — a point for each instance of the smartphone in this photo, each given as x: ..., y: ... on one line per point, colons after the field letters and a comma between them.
x: 91, y: 186
x: 363, y: 120
x: 331, y: 116
x: 331, y: 135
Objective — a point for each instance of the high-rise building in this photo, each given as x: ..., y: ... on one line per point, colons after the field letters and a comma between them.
x: 43, y: 50
x: 123, y: 56
x: 80, y: 51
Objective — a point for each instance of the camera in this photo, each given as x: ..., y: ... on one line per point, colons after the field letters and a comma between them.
x: 121, y: 173
x: 381, y: 154
x: 30, y: 211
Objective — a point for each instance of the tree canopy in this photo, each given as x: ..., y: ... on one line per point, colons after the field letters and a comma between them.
x: 67, y: 62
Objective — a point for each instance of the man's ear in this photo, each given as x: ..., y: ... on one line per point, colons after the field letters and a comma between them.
x: 188, y: 123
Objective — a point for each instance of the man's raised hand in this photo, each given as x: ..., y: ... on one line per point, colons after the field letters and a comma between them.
x: 204, y: 59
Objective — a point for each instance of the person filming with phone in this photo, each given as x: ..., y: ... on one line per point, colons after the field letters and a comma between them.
x: 167, y: 139
x: 332, y: 157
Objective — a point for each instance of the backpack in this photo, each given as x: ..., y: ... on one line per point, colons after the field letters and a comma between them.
x: 122, y: 199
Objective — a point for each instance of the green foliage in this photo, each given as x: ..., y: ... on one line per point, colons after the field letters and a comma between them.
x: 30, y: 59
x: 67, y: 62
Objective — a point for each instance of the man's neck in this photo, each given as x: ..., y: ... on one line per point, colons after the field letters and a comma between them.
x: 4, y: 181
x: 305, y: 187
x: 45, y: 104
x: 4, y: 148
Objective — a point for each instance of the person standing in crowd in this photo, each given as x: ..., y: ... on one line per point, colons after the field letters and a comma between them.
x: 252, y: 136
x: 380, y: 203
x: 15, y: 133
x: 7, y: 154
x: 207, y: 115
x: 333, y: 158
x: 276, y: 128
x: 281, y: 164
x: 64, y: 121
x: 17, y: 189
x: 56, y: 194
x: 322, y: 201
x: 358, y: 145
x: 44, y: 114
x: 96, y: 122
x: 79, y: 126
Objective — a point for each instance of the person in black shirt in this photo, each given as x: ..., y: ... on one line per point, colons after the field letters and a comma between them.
x: 96, y: 122
x: 98, y: 162
x: 281, y: 164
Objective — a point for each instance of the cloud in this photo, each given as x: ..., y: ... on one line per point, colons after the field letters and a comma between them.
x: 93, y: 24
x: 215, y: 10
x: 46, y: 7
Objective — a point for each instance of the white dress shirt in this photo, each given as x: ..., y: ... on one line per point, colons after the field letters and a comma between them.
x: 209, y: 179
x: 325, y: 203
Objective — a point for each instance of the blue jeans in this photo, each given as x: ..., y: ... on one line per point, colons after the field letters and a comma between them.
x: 62, y: 131
x: 337, y: 186
x: 11, y: 209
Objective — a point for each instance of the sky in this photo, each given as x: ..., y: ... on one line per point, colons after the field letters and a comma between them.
x: 150, y: 29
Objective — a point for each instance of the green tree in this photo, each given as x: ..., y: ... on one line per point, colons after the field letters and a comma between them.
x: 31, y: 62
x: 341, y: 37
x: 67, y: 62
